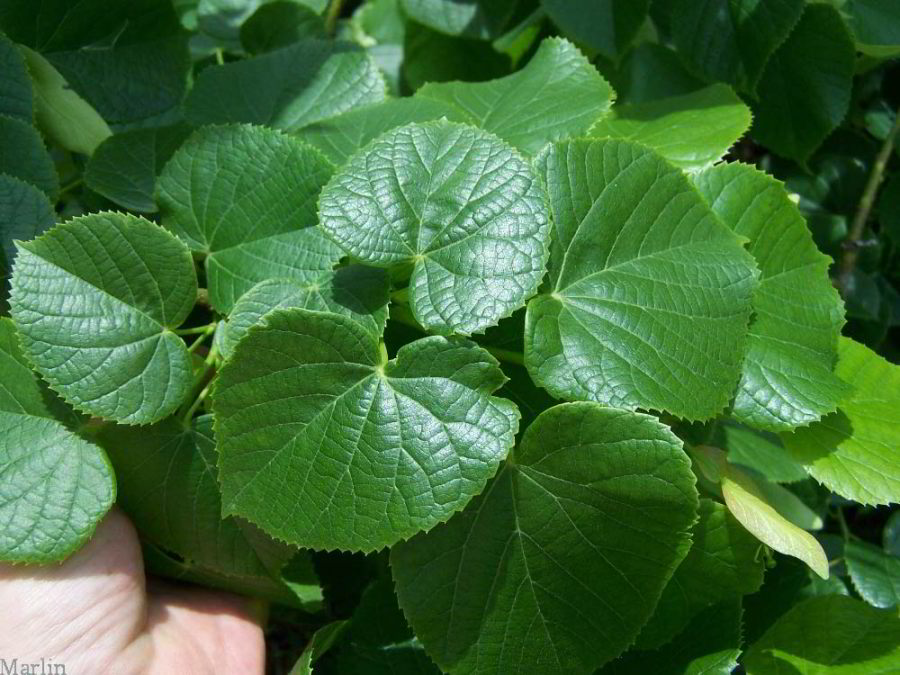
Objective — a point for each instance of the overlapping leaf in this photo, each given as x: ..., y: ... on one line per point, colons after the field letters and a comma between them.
x: 326, y: 445
x: 459, y: 205
x: 786, y: 378
x: 288, y: 88
x: 15, y: 87
x: 356, y: 291
x: 168, y: 481
x: 856, y: 450
x: 96, y: 299
x: 24, y: 155
x: 482, y: 19
x: 561, y: 560
x: 691, y: 131
x: 246, y: 198
x: 54, y: 486
x: 761, y: 451
x: 649, y: 292
x: 608, y: 26
x: 831, y: 634
x: 875, y: 573
x: 557, y: 95
x: 805, y: 90
x: 25, y: 212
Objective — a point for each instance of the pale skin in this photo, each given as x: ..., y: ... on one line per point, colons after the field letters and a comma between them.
x: 96, y: 613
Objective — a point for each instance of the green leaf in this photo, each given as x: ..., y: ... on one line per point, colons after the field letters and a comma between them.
x: 55, y: 488
x: 245, y: 197
x: 124, y: 167
x: 607, y: 26
x: 709, y: 645
x: 732, y: 40
x: 891, y: 534
x: 649, y: 293
x: 875, y: 573
x: 481, y: 19
x: 691, y: 131
x: 60, y: 112
x: 723, y: 564
x: 168, y: 487
x: 761, y: 451
x: 856, y: 450
x: 25, y: 212
x: 379, y: 641
x: 24, y: 155
x: 320, y: 642
x: 557, y: 95
x: 650, y: 72
x: 875, y: 25
x: 558, y: 564
x: 786, y: 378
x: 747, y: 502
x: 458, y: 205
x: 16, y: 99
x: 340, y: 137
x: 289, y: 88
x: 370, y: 452
x: 805, y: 90
x: 279, y: 24
x: 359, y: 292
x: 831, y: 634
x: 128, y: 60
x: 96, y: 299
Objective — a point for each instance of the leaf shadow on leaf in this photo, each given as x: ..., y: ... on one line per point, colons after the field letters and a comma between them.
x: 839, y: 427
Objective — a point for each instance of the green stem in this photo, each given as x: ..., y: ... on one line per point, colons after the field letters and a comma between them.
x: 70, y: 186
x: 189, y: 415
x: 507, y: 355
x: 220, y: 57
x: 843, y: 523
x: 198, y: 330
x: 201, y: 386
x: 332, y: 15
x: 852, y: 242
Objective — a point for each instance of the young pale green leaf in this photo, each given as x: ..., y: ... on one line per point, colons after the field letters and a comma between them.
x: 723, y: 564
x: 54, y: 489
x: 25, y: 212
x: 339, y: 137
x: 24, y: 155
x: 608, y: 26
x: 326, y: 446
x: 168, y: 487
x: 709, y: 645
x: 558, y: 564
x: 875, y: 573
x: 16, y: 98
x: 557, y: 95
x: 279, y: 24
x: 361, y: 293
x: 649, y: 293
x: 379, y: 641
x: 124, y: 167
x: 246, y: 198
x: 96, y: 299
x: 289, y: 88
x: 761, y: 451
x: 805, y: 90
x: 786, y: 378
x: 856, y: 450
x: 472, y: 18
x: 61, y: 113
x: 875, y: 25
x: 456, y: 203
x: 732, y: 40
x: 828, y: 635
x: 691, y: 131
x: 748, y: 503
x: 54, y: 486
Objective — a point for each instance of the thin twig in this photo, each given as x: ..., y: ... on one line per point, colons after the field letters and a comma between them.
x: 332, y: 15
x: 852, y: 242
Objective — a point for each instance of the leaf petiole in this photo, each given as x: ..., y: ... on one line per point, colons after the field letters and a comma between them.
x: 198, y: 330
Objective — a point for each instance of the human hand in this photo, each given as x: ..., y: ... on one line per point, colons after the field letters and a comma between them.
x: 96, y: 614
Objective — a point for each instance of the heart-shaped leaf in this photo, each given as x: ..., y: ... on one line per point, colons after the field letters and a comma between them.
x: 325, y: 444
x: 456, y: 203
x: 649, y: 293
x: 246, y: 198
x: 96, y: 300
x: 558, y: 564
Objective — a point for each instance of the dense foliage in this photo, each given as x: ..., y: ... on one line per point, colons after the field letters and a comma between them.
x: 476, y: 336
